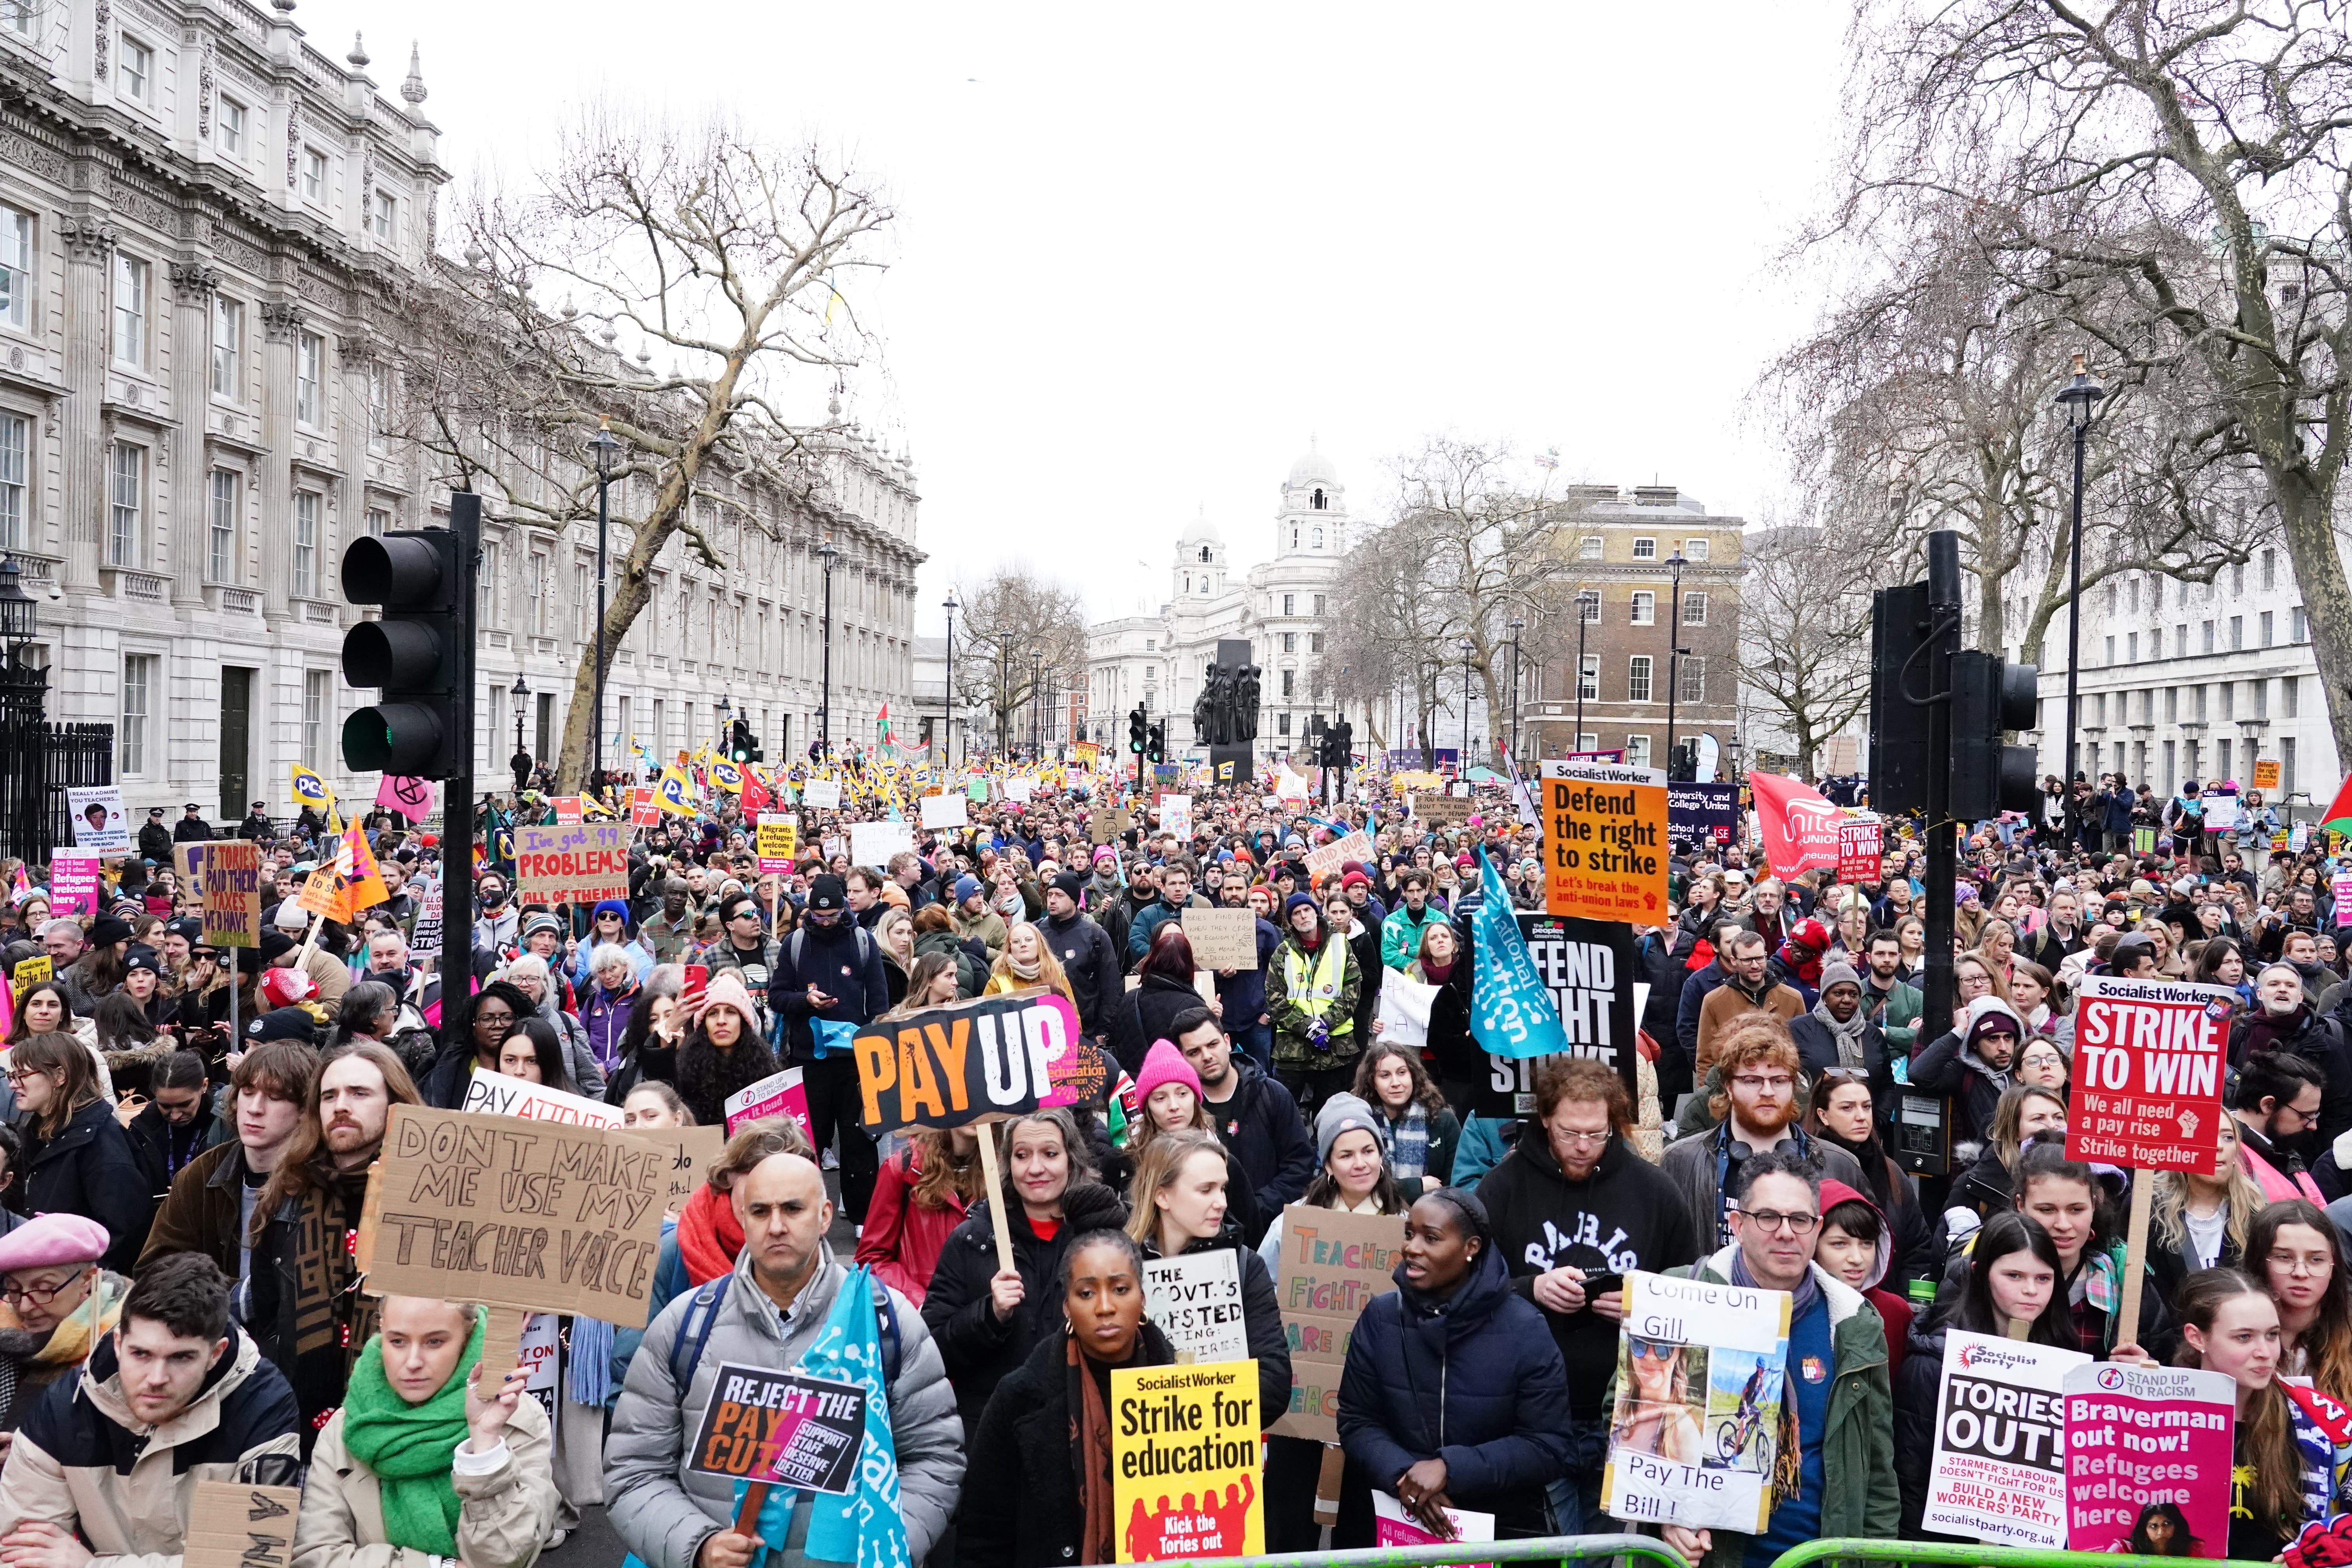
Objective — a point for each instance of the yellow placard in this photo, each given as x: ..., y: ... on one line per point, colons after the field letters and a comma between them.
x: 1184, y: 1461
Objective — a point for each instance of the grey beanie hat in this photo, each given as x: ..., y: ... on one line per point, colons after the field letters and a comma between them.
x: 1838, y: 971
x: 1340, y: 1114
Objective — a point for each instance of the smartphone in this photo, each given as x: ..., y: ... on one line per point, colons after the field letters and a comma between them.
x: 697, y: 976
x: 1601, y: 1284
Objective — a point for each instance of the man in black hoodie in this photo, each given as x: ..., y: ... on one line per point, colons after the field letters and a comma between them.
x: 1085, y: 953
x: 830, y: 972
x: 1256, y: 1118
x: 1573, y: 1202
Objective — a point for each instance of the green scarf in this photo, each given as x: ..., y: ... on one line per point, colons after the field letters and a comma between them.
x: 407, y: 1447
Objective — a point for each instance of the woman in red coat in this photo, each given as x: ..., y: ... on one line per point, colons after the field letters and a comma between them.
x: 920, y: 1196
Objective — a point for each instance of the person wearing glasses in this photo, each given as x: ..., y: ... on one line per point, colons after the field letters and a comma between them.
x: 65, y: 1303
x: 497, y: 1010
x: 1579, y: 1207
x: 2276, y: 1104
x: 1656, y: 1415
x: 1837, y: 1409
x: 1756, y: 1111
x: 78, y: 1158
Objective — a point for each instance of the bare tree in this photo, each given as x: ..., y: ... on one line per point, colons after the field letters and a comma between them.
x: 1017, y: 629
x: 729, y: 259
x: 1804, y: 633
x: 2178, y: 177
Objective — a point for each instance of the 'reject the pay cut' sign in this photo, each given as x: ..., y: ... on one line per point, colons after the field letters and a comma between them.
x: 1605, y: 842
x: 2150, y: 1057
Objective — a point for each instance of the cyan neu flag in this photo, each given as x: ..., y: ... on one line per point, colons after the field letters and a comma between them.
x: 1511, y: 1010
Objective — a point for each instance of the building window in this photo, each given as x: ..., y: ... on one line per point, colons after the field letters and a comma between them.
x: 134, y: 71
x: 2172, y: 705
x: 2205, y: 633
x: 228, y: 347
x: 584, y: 596
x: 15, y: 268
x: 2111, y: 650
x: 1694, y: 681
x: 1695, y: 549
x: 486, y: 589
x: 1151, y: 645
x: 1282, y: 723
x: 2237, y: 632
x: 2131, y: 648
x: 2197, y: 709
x: 1589, y: 547
x: 229, y: 127
x: 535, y: 587
x: 1693, y: 609
x: 16, y: 448
x: 1589, y: 601
x: 126, y: 505
x: 223, y: 498
x: 2228, y: 708
x: 2287, y: 767
x: 2290, y: 695
x: 383, y: 215
x: 1319, y: 600
x: 1289, y: 684
x: 2270, y: 570
x: 129, y: 311
x: 16, y: 15
x: 314, y: 719
x: 1319, y: 536
x: 1646, y: 608
x: 2261, y: 698
x: 1290, y: 642
x: 1314, y: 642
x: 1290, y: 603
x: 138, y: 698
x: 1587, y: 684
x: 379, y: 521
x: 1637, y: 751
x: 1637, y: 678
x: 2237, y: 579
x: 306, y: 544
x: 2295, y: 627
x: 314, y: 176
x: 1645, y: 548
x: 310, y: 380
x: 2269, y: 628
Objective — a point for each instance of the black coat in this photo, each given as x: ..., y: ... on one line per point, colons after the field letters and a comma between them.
x: 155, y: 1140
x: 1092, y: 963
x: 1261, y: 1318
x: 1144, y: 1015
x: 1261, y: 1130
x: 979, y: 1351
x: 1020, y: 1506
x: 90, y: 1169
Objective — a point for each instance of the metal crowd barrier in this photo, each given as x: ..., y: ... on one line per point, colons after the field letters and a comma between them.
x: 1860, y: 1549
x: 1642, y: 1549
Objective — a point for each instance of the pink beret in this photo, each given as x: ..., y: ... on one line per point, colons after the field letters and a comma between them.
x: 47, y: 1240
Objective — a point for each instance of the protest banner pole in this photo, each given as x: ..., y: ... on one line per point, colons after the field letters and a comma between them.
x: 995, y: 1180
x: 233, y: 1035
x: 747, y: 1516
x: 2142, y: 1194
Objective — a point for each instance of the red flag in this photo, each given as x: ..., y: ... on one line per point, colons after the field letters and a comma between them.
x: 1799, y: 826
x: 756, y: 798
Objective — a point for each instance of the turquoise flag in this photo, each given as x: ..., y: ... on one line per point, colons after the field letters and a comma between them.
x: 1511, y: 1010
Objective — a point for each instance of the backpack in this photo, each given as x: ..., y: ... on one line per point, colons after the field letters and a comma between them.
x: 702, y: 1312
x: 864, y: 947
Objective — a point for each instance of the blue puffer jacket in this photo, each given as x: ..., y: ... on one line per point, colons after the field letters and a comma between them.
x: 1476, y: 1382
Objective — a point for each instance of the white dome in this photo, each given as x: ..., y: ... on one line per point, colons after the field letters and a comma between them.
x: 1203, y: 531
x: 1315, y: 468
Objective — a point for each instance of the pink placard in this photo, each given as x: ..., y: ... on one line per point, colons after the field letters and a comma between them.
x: 412, y: 798
x: 778, y: 1094
x: 74, y: 883
x: 2140, y: 1436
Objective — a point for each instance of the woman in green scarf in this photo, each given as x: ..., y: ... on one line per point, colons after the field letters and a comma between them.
x: 422, y: 1465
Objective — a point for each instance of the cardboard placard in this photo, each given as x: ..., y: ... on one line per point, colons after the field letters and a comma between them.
x: 822, y: 794
x: 1184, y: 1468
x: 2149, y: 1060
x: 1859, y: 851
x: 778, y: 1094
x: 572, y: 863
x: 189, y: 859
x: 1695, y: 1428
x: 1327, y: 859
x: 872, y: 844
x: 944, y: 811
x: 691, y: 1152
x: 1221, y: 938
x: 1105, y: 823
x: 1999, y: 1470
x: 779, y: 842
x: 233, y: 894
x: 523, y: 1213
x: 1196, y: 1299
x: 1331, y: 1266
x: 784, y: 1427
x: 233, y: 1525
x: 980, y: 1060
x: 492, y: 1093
x: 1605, y: 842
x: 2139, y: 1436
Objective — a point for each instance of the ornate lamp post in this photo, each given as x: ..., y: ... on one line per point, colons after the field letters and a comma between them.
x: 521, y: 760
x: 2077, y: 397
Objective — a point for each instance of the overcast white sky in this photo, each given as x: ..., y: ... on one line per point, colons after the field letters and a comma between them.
x: 1143, y: 257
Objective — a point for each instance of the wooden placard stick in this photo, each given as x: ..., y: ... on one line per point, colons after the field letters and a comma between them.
x: 995, y: 1179
x: 2142, y: 1194
x: 1326, y: 1485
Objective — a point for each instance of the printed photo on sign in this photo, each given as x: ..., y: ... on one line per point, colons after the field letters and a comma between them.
x: 1694, y: 1435
x: 98, y: 820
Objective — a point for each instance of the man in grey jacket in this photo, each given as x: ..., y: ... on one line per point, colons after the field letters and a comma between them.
x: 776, y: 1300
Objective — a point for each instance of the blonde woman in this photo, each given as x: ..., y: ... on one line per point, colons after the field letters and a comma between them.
x: 2200, y: 1222
x: 1026, y: 961
x: 1653, y: 1413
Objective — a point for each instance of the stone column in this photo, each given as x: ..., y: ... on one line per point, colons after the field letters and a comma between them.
x: 282, y: 325
x: 90, y: 250
x: 193, y: 284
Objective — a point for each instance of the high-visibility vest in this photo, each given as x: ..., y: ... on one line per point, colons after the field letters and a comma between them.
x: 1316, y: 995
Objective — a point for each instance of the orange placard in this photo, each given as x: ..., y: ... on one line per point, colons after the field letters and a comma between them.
x: 2267, y: 773
x: 1605, y: 842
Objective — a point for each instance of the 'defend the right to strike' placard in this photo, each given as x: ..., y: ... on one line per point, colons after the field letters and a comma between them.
x: 2148, y: 1061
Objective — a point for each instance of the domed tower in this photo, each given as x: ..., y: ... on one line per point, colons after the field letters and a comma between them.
x: 1200, y: 570
x: 1314, y: 518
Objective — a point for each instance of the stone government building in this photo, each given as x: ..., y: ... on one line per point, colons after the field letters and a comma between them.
x: 201, y: 218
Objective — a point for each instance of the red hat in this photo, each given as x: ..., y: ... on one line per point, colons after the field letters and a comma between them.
x: 1812, y: 934
x: 1355, y: 879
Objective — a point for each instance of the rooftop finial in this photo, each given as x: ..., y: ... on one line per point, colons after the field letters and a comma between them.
x: 413, y: 90
x: 359, y: 54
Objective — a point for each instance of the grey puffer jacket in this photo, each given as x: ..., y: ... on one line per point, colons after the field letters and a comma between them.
x: 664, y: 1512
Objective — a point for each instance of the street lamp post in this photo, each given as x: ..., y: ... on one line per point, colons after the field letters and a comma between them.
x: 1674, y: 564
x: 1036, y: 711
x: 2076, y: 397
x: 947, y: 739
x: 1518, y: 625
x: 726, y: 712
x: 825, y: 552
x: 605, y: 446
x: 521, y: 760
x: 1462, y: 766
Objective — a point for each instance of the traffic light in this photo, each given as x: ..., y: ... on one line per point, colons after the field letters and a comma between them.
x: 1682, y: 762
x: 742, y: 746
x: 1137, y: 732
x: 1991, y: 695
x: 414, y: 653
x: 1155, y: 745
x: 1339, y: 745
x: 1901, y: 679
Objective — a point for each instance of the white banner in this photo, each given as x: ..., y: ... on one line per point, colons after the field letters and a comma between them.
x: 496, y: 1094
x: 873, y: 843
x: 824, y: 793
x: 942, y: 811
x: 1196, y: 1299
x: 1404, y: 1006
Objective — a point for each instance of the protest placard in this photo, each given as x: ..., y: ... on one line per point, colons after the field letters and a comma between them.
x: 980, y: 1061
x: 189, y: 859
x: 572, y: 863
x: 779, y: 842
x: 1176, y: 814
x: 325, y: 895
x: 1392, y: 1526
x: 29, y: 973
x: 1859, y: 851
x: 872, y: 844
x: 690, y: 1153
x: 1998, y: 1473
x: 425, y: 942
x: 1605, y: 842
x: 782, y: 1427
x: 643, y: 810
x: 778, y: 1094
x: 2137, y: 1436
x: 98, y: 820
x: 74, y: 882
x: 412, y: 797
x: 1196, y: 1299
x: 1697, y: 1426
x: 1698, y: 812
x: 496, y: 1094
x: 1184, y: 1461
x: 1332, y: 1265
x: 567, y: 807
x: 1403, y: 1008
x: 1221, y: 939
x: 1435, y: 808
x: 822, y: 794
x: 1019, y: 790
x: 944, y: 811
x: 534, y: 1215
x: 1105, y: 823
x: 233, y: 894
x: 1326, y: 859
x: 2267, y: 773
x: 233, y: 1524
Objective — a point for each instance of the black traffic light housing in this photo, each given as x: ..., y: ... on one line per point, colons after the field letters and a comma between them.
x: 417, y: 654
x: 1989, y: 696
x: 742, y: 746
x: 1900, y: 679
x: 1155, y: 745
x: 1138, y: 729
x: 1682, y: 762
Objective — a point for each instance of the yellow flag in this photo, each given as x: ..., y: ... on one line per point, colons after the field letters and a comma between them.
x: 675, y: 791
x: 309, y: 789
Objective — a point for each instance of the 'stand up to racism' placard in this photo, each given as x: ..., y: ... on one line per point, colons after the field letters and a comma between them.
x: 2137, y: 1436
x: 1605, y: 842
x: 2148, y: 1058
x: 1695, y: 1433
x: 538, y: 1215
x: 1998, y: 1473
x: 1184, y: 1461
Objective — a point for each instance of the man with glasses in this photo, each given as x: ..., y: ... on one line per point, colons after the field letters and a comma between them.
x: 1578, y: 1207
x: 1835, y: 1382
x: 2277, y: 1107
x: 1756, y: 1110
x: 1747, y: 987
